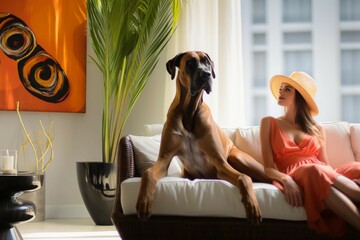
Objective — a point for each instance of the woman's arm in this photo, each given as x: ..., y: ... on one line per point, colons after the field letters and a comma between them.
x: 292, y: 191
x: 266, y: 151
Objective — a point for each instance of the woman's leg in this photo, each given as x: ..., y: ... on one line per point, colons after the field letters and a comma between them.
x: 351, y: 170
x: 348, y: 187
x: 357, y: 181
x: 343, y: 207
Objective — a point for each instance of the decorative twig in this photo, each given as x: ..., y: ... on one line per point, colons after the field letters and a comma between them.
x: 48, y: 144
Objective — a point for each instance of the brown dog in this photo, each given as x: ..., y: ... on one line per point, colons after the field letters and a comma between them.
x: 191, y: 134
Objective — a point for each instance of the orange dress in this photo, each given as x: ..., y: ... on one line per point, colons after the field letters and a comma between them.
x: 314, y: 177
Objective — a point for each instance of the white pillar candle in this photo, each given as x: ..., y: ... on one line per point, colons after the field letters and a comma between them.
x: 7, y: 163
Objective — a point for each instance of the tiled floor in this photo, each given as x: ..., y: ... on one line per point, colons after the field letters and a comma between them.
x: 74, y: 229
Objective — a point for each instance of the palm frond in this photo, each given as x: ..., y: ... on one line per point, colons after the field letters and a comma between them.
x: 127, y: 37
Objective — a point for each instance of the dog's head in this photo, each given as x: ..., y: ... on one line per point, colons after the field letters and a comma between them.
x: 196, y: 69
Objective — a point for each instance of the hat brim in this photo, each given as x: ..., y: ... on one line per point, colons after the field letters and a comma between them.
x: 276, y: 82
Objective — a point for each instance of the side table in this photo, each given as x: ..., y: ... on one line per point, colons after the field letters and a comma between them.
x: 13, y: 210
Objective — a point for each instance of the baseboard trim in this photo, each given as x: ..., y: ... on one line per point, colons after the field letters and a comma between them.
x: 66, y: 211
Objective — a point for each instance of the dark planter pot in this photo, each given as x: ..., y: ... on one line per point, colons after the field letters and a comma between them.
x: 97, y: 183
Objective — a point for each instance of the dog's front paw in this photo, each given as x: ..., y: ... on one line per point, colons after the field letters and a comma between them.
x: 249, y: 200
x: 146, y: 196
x: 143, y: 207
x: 252, y: 209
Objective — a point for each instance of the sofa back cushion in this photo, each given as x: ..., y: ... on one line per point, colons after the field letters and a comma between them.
x: 343, y: 141
x: 146, y: 150
x: 338, y: 145
x: 153, y: 129
x: 248, y: 140
x: 355, y: 139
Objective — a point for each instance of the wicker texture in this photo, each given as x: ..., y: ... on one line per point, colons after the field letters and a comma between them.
x: 172, y: 227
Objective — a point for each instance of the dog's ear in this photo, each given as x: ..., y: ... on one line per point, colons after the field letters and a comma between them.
x: 173, y: 63
x: 211, y: 64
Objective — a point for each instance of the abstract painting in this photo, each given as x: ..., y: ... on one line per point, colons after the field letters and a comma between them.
x: 43, y: 55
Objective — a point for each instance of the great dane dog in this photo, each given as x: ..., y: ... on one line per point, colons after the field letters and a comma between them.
x: 191, y: 134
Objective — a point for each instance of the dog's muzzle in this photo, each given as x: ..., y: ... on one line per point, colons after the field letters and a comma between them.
x: 202, y: 80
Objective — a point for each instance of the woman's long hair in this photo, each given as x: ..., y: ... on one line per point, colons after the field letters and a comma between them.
x: 303, y: 116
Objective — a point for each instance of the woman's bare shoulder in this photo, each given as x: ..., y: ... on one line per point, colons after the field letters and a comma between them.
x: 267, y: 119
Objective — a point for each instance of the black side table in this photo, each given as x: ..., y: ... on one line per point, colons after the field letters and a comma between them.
x: 12, y: 209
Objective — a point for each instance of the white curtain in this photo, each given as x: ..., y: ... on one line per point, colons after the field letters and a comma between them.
x: 214, y: 26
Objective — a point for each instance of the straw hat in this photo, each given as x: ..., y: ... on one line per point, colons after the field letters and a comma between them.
x: 302, y: 82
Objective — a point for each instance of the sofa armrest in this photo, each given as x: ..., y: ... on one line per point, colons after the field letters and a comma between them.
x: 125, y: 169
x: 126, y: 159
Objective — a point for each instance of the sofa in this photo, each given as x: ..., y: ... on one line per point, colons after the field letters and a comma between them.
x: 212, y: 209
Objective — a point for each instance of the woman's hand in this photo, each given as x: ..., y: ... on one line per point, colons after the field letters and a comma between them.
x: 292, y: 191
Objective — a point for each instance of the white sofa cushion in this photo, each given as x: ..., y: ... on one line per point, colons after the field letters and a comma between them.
x: 248, y: 140
x: 355, y: 139
x: 154, y: 129
x: 338, y: 143
x: 146, y: 150
x: 210, y: 198
x: 218, y: 197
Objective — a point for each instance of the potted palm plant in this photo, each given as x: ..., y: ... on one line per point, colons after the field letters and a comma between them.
x: 127, y: 38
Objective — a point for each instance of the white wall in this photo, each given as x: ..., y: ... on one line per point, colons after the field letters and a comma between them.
x: 151, y: 107
x: 78, y: 137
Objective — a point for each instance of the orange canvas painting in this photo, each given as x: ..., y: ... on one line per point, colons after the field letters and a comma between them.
x: 43, y: 55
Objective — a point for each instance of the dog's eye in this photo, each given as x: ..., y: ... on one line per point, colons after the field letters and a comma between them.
x: 191, y: 62
x: 205, y: 60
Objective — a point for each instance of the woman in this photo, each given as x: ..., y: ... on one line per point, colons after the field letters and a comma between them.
x: 294, y: 155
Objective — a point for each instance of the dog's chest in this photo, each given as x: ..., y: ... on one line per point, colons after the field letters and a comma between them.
x: 195, y: 161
